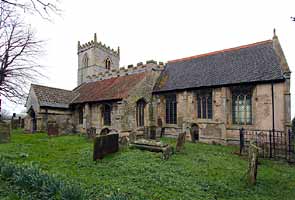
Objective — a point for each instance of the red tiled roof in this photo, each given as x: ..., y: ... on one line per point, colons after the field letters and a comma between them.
x: 220, y: 51
x: 109, y: 89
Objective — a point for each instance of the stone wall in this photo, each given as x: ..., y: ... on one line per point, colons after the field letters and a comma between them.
x: 62, y: 117
x: 97, y: 53
x: 123, y: 114
x: 219, y: 128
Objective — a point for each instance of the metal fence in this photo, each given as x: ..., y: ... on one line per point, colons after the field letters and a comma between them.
x: 272, y: 143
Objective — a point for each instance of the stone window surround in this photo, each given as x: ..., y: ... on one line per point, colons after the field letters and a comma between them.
x: 207, y: 94
x: 172, y: 120
x: 140, y: 112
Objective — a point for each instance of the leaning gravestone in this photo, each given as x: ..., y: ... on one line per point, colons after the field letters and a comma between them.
x: 180, y: 141
x: 5, y: 130
x: 104, y: 145
x: 253, y: 163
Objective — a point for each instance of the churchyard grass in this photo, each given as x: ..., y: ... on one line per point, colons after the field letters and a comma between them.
x: 200, y: 171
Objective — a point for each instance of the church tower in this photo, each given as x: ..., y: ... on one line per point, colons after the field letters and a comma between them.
x: 95, y: 57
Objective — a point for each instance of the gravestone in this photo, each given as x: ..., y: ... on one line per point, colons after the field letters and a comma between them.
x: 104, y: 145
x: 194, y: 133
x: 91, y: 133
x: 152, y: 132
x: 52, y: 128
x: 132, y: 136
x: 253, y: 163
x: 167, y: 153
x: 105, y: 131
x: 5, y: 130
x: 180, y: 142
x: 124, y: 141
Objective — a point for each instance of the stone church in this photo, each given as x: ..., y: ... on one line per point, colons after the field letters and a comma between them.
x: 212, y: 94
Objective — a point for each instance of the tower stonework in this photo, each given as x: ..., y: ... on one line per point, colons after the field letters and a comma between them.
x: 95, y: 57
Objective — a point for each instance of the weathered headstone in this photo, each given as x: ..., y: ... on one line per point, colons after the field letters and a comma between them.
x: 132, y: 136
x: 194, y: 133
x: 167, y: 153
x: 124, y: 141
x: 253, y: 163
x: 105, y: 131
x: 52, y: 129
x: 180, y: 141
x: 5, y: 130
x: 91, y: 133
x: 152, y: 132
x: 104, y: 145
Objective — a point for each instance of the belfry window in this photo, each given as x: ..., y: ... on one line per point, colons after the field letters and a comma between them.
x: 140, y: 105
x: 171, y: 109
x: 108, y: 64
x: 85, y: 60
x: 204, y: 104
x: 242, y: 106
x: 106, y: 115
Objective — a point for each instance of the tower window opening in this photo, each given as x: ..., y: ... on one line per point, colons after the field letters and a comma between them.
x: 108, y: 64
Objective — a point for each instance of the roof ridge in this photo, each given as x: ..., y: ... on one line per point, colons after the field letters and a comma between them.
x: 51, y: 87
x: 220, y: 51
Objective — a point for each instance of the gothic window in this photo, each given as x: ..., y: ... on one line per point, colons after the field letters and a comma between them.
x: 106, y: 115
x: 171, y: 109
x: 85, y: 60
x: 204, y: 104
x: 80, y: 113
x: 242, y: 106
x: 108, y: 63
x: 140, y: 105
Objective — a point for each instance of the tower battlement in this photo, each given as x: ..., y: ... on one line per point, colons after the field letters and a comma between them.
x: 95, y: 57
x: 94, y: 43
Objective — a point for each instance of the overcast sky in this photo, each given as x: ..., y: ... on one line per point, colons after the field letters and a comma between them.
x: 161, y: 30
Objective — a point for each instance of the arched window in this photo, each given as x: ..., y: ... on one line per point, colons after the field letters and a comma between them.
x: 171, y: 109
x: 85, y: 60
x: 140, y: 105
x: 80, y: 113
x: 108, y: 63
x: 242, y: 106
x: 106, y: 114
x: 204, y: 104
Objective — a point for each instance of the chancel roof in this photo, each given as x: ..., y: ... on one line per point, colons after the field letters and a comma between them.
x: 251, y: 63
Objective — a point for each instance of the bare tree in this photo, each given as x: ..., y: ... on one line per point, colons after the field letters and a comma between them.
x: 19, y: 51
x: 43, y: 7
x: 5, y: 115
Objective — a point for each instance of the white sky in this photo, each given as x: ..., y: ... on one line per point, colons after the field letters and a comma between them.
x: 161, y: 30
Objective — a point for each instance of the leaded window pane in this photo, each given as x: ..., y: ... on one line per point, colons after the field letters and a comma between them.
x: 140, y: 112
x: 204, y: 104
x: 171, y: 109
x: 242, y: 107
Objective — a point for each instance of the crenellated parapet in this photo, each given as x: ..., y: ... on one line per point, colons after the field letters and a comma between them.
x: 95, y: 43
x: 130, y: 69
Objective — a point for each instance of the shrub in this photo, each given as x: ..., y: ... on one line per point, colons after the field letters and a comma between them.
x: 31, y: 178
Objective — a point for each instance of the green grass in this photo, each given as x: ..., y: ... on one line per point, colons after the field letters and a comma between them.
x: 201, y: 171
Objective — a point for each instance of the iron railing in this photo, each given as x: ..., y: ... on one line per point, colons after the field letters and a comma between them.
x: 272, y: 143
